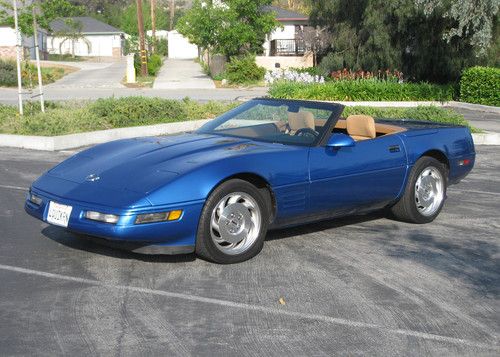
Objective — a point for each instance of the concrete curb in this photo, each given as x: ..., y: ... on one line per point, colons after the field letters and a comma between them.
x: 486, y: 138
x: 393, y: 104
x: 477, y: 107
x: 71, y: 141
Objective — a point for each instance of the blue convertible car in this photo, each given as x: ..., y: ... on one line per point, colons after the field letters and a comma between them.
x: 265, y: 164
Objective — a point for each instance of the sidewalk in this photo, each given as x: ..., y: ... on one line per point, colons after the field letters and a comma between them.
x: 182, y: 74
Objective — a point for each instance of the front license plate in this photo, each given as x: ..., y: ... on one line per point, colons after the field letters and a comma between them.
x: 58, y: 214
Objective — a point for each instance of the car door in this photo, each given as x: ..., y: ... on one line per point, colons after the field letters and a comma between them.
x: 368, y: 175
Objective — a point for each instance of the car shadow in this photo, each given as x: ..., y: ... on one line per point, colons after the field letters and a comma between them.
x: 318, y: 226
x: 83, y: 243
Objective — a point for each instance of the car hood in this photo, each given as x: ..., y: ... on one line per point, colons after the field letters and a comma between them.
x: 144, y: 164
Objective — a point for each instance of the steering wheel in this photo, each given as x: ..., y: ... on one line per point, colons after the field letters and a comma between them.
x: 307, y: 132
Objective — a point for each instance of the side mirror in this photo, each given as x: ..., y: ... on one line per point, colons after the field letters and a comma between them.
x: 338, y: 141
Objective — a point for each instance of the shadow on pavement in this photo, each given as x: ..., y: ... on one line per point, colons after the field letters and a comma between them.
x: 321, y: 226
x: 82, y: 243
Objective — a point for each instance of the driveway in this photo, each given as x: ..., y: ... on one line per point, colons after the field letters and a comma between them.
x: 97, y: 75
x: 366, y: 285
x: 182, y: 74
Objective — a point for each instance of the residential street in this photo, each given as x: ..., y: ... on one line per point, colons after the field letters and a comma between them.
x: 360, y: 286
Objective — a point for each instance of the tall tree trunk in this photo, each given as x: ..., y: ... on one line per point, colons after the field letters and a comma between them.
x: 153, y: 25
x: 172, y: 14
x: 142, y: 39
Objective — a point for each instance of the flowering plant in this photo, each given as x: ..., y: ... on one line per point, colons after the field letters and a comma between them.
x: 382, y: 75
x: 290, y: 75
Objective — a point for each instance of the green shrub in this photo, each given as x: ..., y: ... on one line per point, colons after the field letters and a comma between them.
x: 244, y: 70
x: 154, y: 64
x: 480, y: 85
x: 8, y: 74
x: 424, y: 113
x: 120, y: 112
x: 362, y: 90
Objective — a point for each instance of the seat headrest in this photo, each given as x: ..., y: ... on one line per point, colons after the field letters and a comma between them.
x: 301, y: 120
x: 361, y: 125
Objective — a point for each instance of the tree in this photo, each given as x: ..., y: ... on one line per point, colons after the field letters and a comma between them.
x: 316, y: 40
x: 73, y: 33
x: 377, y: 35
x: 302, y: 6
x: 49, y: 10
x: 228, y: 27
x: 474, y: 20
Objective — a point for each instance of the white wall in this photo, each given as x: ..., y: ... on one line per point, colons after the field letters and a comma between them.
x: 100, y: 45
x: 7, y: 36
x: 287, y: 32
x: 179, y: 47
x: 269, y: 62
x: 159, y: 33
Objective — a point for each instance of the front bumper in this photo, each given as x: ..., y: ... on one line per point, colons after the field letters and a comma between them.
x: 169, y: 237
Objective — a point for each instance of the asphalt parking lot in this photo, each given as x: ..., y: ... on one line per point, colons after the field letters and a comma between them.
x: 360, y: 286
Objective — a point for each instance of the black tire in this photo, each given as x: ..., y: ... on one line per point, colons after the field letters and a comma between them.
x: 406, y: 208
x: 205, y: 245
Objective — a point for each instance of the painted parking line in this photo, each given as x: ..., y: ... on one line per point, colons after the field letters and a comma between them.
x: 14, y: 187
x: 243, y: 306
x: 475, y: 191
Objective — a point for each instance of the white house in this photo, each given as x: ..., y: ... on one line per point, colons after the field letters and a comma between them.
x: 98, y: 38
x: 8, y: 44
x: 282, y: 48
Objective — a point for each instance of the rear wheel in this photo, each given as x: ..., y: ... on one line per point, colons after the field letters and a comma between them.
x: 233, y: 223
x: 425, y: 192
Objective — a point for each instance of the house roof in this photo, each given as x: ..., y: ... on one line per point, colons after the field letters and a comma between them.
x: 89, y: 25
x: 285, y: 15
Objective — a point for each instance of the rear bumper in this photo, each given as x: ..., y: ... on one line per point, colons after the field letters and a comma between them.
x: 169, y: 237
x: 458, y: 171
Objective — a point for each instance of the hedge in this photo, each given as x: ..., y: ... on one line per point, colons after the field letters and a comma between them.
x: 480, y: 85
x: 362, y: 90
x: 74, y: 117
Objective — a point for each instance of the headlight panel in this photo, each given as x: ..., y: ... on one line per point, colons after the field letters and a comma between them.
x: 35, y: 199
x: 102, y: 217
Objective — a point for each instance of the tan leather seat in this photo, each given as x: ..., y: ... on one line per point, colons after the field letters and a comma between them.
x: 300, y: 120
x: 361, y: 127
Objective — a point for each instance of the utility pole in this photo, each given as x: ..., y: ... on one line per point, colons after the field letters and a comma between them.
x: 37, y: 56
x: 153, y: 25
x: 18, y: 59
x: 172, y: 14
x: 142, y: 39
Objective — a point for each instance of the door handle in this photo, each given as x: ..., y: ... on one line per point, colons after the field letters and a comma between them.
x: 394, y: 148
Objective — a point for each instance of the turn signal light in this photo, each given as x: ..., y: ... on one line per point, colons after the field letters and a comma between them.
x: 158, y: 217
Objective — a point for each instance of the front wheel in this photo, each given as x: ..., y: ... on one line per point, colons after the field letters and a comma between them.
x: 425, y: 192
x: 233, y: 223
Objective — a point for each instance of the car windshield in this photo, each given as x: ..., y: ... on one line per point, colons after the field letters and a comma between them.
x: 278, y: 121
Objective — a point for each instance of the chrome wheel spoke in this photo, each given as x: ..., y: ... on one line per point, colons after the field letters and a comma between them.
x: 429, y: 191
x: 235, y: 223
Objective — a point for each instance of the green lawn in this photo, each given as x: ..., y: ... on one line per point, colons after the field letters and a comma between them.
x: 72, y: 117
